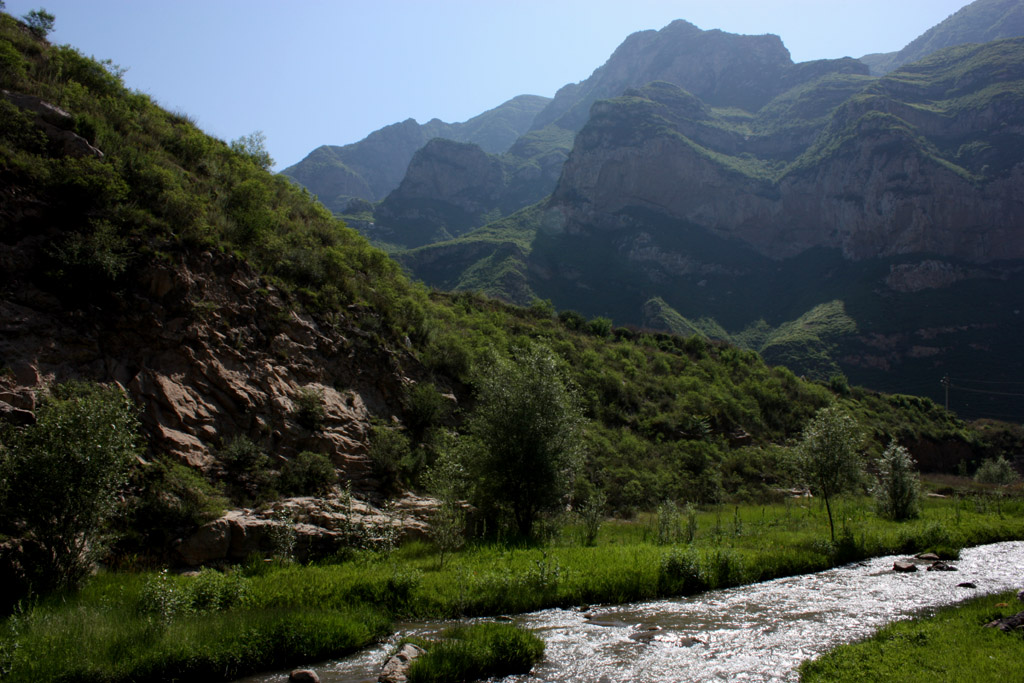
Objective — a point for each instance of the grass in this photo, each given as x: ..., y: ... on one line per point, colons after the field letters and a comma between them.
x: 951, y: 645
x: 145, y: 626
x: 468, y: 653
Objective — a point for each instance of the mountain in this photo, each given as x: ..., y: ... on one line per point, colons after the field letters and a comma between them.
x: 897, y: 196
x: 371, y: 168
x: 981, y: 21
x: 721, y: 69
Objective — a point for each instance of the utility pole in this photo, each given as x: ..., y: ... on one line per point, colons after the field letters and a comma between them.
x: 946, y: 382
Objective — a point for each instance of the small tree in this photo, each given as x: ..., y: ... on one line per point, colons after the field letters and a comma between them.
x: 528, y: 422
x: 898, y: 489
x: 40, y: 22
x: 996, y: 471
x: 254, y: 146
x: 66, y: 472
x: 829, y: 456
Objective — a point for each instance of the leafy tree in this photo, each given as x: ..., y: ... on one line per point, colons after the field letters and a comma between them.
x: 898, y: 489
x: 527, y: 421
x: 996, y: 471
x: 829, y: 455
x: 254, y: 146
x: 65, y: 474
x: 40, y: 22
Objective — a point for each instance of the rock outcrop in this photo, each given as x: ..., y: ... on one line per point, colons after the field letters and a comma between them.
x: 882, y: 176
x: 210, y: 352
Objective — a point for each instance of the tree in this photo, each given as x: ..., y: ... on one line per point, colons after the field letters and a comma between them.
x: 996, y: 471
x: 829, y: 455
x: 898, y: 489
x: 40, y: 22
x: 254, y: 146
x: 66, y: 472
x: 527, y: 422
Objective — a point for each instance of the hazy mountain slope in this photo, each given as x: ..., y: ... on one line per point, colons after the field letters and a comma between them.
x: 981, y: 21
x: 722, y: 69
x: 371, y: 168
x: 899, y: 197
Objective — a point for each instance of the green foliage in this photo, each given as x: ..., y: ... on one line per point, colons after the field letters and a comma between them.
x: 467, y: 653
x: 427, y: 407
x: 254, y: 146
x: 308, y: 474
x: 64, y: 475
x: 996, y: 471
x: 309, y: 408
x: 829, y: 455
x: 165, y: 501
x: 391, y: 453
x: 40, y: 22
x: 527, y: 421
x: 248, y: 472
x: 591, y: 514
x: 897, y: 491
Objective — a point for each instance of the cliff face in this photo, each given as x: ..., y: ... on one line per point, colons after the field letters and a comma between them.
x: 447, y: 190
x: 925, y: 161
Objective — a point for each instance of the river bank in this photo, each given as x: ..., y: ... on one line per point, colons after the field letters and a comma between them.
x: 145, y: 626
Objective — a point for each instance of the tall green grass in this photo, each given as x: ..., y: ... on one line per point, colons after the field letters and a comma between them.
x: 951, y: 645
x: 221, y: 626
x: 469, y: 653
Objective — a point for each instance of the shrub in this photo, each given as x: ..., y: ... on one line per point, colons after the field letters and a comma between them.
x: 898, y: 488
x: 65, y: 475
x: 309, y: 408
x: 308, y: 473
x: 248, y: 471
x: 996, y: 471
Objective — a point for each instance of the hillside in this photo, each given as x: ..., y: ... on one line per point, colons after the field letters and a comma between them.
x: 981, y: 21
x: 259, y: 336
x: 719, y: 212
x: 374, y: 166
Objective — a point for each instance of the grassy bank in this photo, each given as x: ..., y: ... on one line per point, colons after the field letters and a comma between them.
x: 951, y: 645
x: 220, y: 625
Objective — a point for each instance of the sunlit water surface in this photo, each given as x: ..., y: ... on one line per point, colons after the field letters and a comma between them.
x: 759, y: 632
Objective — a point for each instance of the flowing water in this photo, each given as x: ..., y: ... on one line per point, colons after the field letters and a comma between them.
x: 759, y: 632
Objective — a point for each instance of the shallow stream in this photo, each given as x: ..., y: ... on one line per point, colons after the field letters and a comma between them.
x: 759, y: 632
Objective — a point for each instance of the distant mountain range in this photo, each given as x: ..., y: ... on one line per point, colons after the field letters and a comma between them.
x: 700, y: 181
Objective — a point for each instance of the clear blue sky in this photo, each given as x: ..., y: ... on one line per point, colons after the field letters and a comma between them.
x: 314, y: 72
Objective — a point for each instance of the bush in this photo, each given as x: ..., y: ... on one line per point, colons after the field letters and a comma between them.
x: 309, y: 408
x: 65, y: 475
x: 248, y: 471
x: 996, y: 471
x: 308, y: 473
x: 898, y: 489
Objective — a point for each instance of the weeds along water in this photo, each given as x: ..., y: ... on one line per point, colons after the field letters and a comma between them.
x: 224, y: 624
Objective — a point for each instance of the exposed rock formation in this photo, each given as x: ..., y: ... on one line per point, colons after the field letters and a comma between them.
x: 882, y: 177
x: 318, y: 526
x: 209, y: 351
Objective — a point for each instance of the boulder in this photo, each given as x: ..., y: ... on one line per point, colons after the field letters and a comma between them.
x: 967, y: 584
x: 1008, y: 624
x: 931, y: 557
x: 303, y: 676
x: 396, y: 668
x: 904, y: 566
x: 941, y: 567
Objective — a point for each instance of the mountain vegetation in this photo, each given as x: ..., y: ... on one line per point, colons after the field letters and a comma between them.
x: 249, y: 383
